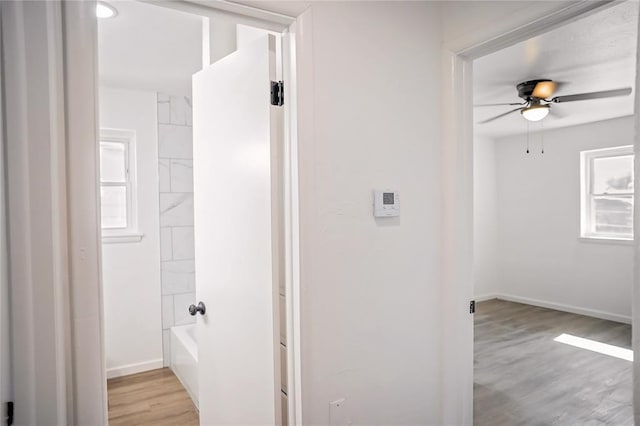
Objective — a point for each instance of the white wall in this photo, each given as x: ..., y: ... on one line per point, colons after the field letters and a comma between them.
x: 131, y: 271
x: 485, y: 237
x: 370, y: 288
x: 540, y: 257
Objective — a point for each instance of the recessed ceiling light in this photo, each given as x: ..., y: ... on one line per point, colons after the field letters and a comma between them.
x: 104, y: 10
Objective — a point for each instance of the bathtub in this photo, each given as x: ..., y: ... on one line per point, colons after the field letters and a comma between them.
x: 184, y: 358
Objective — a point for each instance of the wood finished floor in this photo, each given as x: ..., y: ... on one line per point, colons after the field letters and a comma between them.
x: 150, y: 398
x: 523, y: 377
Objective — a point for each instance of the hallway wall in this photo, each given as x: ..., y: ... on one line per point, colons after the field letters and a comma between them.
x: 371, y: 317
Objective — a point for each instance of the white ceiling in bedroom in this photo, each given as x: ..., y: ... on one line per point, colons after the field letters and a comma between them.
x: 595, y: 53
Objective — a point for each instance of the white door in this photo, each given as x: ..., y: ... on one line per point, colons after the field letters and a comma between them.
x: 236, y: 205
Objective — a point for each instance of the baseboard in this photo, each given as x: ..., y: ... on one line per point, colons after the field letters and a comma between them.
x: 562, y: 307
x: 139, y: 367
x: 484, y: 297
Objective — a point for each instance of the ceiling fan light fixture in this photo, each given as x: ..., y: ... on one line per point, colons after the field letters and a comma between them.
x: 535, y: 112
x: 105, y: 10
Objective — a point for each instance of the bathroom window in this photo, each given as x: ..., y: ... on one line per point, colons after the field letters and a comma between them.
x: 607, y: 193
x: 118, y: 186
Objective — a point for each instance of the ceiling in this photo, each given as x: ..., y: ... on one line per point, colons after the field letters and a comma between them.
x: 289, y: 8
x: 148, y: 47
x: 595, y: 53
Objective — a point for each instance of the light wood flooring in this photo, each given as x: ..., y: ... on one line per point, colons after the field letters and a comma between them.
x: 150, y: 398
x: 523, y: 377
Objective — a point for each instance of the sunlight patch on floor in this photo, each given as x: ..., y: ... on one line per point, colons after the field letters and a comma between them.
x: 592, y: 345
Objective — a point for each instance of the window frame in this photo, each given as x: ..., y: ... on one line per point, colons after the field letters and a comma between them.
x: 587, y: 159
x: 128, y: 138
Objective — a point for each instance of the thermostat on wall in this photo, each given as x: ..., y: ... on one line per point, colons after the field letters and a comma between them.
x: 386, y: 203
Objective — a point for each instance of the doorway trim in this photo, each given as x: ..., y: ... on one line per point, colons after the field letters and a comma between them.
x: 457, y: 200
x: 79, y: 26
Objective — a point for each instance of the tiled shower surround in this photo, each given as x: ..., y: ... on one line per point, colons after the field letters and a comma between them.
x: 175, y: 162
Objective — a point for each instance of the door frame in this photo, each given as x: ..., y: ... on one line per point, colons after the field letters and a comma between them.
x: 457, y: 199
x: 5, y: 341
x: 296, y: 47
x: 296, y: 70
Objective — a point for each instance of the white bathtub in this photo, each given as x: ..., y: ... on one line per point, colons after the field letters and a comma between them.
x: 184, y: 358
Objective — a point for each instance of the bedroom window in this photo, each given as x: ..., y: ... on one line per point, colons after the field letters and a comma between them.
x: 607, y: 193
x: 118, y: 186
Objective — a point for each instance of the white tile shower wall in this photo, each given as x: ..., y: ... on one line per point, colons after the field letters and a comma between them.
x: 183, y: 245
x: 181, y: 176
x: 164, y: 171
x: 175, y: 163
x: 177, y: 277
x: 175, y: 141
x: 176, y: 209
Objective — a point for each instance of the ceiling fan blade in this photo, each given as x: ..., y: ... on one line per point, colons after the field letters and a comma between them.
x: 503, y: 104
x: 557, y: 112
x: 593, y: 95
x: 544, y: 89
x: 498, y: 116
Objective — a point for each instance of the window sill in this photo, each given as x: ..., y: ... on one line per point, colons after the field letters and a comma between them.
x: 123, y: 238
x: 607, y: 240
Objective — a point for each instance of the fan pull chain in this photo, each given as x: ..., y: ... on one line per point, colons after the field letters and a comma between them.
x: 528, y: 136
x: 542, y: 135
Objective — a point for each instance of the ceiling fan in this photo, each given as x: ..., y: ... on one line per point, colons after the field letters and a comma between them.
x: 537, y: 98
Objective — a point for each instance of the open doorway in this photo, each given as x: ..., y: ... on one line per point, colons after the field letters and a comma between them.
x: 157, y: 226
x: 553, y: 223
x: 147, y: 55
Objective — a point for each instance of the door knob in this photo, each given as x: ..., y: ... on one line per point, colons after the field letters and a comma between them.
x: 193, y: 309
